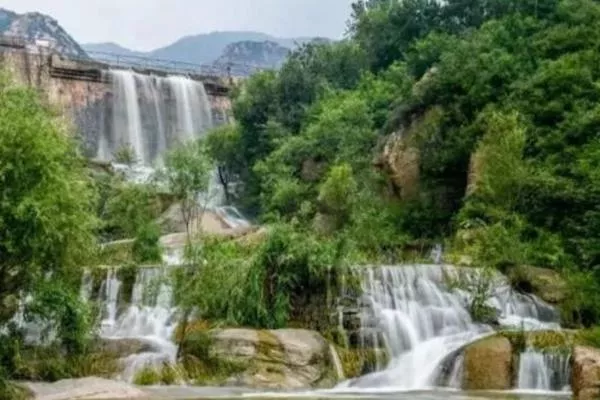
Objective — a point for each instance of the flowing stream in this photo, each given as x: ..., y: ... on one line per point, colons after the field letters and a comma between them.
x: 544, y: 371
x: 411, y: 311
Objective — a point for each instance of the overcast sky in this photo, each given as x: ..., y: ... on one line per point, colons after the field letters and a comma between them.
x: 148, y: 24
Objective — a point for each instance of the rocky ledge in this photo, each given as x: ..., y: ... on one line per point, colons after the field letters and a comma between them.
x: 84, y: 389
x: 267, y: 359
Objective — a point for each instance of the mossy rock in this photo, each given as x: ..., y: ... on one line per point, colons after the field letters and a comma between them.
x: 586, y: 373
x: 358, y: 362
x: 267, y: 359
x: 488, y: 364
x: 545, y: 283
x: 541, y: 340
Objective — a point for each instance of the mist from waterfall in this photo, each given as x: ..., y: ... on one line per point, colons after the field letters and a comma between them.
x: 151, y: 114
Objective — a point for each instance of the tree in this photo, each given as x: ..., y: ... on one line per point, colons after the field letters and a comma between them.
x: 186, y: 174
x: 46, y: 206
x: 224, y: 147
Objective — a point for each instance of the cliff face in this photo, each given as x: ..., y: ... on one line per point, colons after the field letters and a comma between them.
x: 265, y: 54
x: 39, y: 29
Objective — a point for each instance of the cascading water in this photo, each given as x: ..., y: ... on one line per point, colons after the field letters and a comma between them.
x: 151, y: 114
x: 149, y: 317
x: 421, y: 322
x: 543, y: 371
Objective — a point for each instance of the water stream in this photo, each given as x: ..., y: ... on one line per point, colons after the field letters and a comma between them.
x: 413, y: 312
x: 544, y: 371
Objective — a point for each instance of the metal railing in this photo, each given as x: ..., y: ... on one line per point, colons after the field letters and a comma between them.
x: 120, y: 61
x: 172, y: 66
x: 16, y: 42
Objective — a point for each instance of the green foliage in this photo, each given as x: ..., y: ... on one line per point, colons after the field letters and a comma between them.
x: 479, y: 284
x: 46, y: 212
x: 125, y: 155
x: 186, y: 175
x: 146, y: 247
x: 129, y: 208
x: 288, y: 266
x: 338, y: 192
x: 581, y: 307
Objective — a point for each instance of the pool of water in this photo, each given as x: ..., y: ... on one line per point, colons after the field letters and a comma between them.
x: 185, y: 393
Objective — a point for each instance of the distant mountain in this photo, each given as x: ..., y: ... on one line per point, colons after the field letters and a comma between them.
x: 265, y: 54
x: 110, y: 47
x: 37, y: 28
x: 200, y: 49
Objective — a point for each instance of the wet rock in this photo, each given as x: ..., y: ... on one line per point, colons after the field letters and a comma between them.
x: 123, y: 347
x: 488, y: 364
x: 275, y: 359
x: 84, y: 389
x: 586, y: 373
x: 366, y: 337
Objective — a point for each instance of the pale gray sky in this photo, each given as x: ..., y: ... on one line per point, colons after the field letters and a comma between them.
x: 148, y: 24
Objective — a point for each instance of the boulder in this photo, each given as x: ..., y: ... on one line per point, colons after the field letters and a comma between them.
x: 488, y: 364
x: 275, y: 359
x: 84, y: 389
x: 545, y: 283
x: 586, y: 373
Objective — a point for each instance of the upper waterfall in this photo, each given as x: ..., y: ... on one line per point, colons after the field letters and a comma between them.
x: 150, y: 114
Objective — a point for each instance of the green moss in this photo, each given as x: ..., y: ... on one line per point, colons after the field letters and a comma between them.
x: 541, y: 340
x: 12, y: 391
x: 147, y: 377
x: 357, y: 362
x: 543, y: 282
x: 199, y: 366
x: 588, y: 337
x: 51, y: 364
x: 165, y: 375
x: 116, y: 253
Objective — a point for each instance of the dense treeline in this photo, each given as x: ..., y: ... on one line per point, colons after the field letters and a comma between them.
x: 499, y: 99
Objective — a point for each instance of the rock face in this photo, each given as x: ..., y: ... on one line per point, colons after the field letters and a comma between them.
x: 85, y: 389
x: 545, y: 283
x: 266, y: 54
x: 488, y: 364
x: 276, y: 359
x: 401, y: 161
x: 586, y: 373
x: 38, y: 28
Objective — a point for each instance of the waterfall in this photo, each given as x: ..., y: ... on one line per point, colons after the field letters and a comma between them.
x: 151, y: 114
x: 127, y: 124
x: 413, y: 313
x: 150, y: 317
x: 543, y: 371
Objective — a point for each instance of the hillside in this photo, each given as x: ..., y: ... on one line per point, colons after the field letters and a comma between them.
x: 256, y: 54
x: 36, y: 26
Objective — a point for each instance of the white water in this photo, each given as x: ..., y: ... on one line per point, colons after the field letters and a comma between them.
x: 126, y: 111
x: 151, y: 114
x: 543, y: 371
x: 422, y: 323
x: 150, y: 317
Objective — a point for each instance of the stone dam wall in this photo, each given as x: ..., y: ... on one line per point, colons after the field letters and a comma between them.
x: 82, y: 91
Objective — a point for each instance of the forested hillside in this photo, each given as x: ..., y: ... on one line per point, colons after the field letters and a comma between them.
x: 472, y: 124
